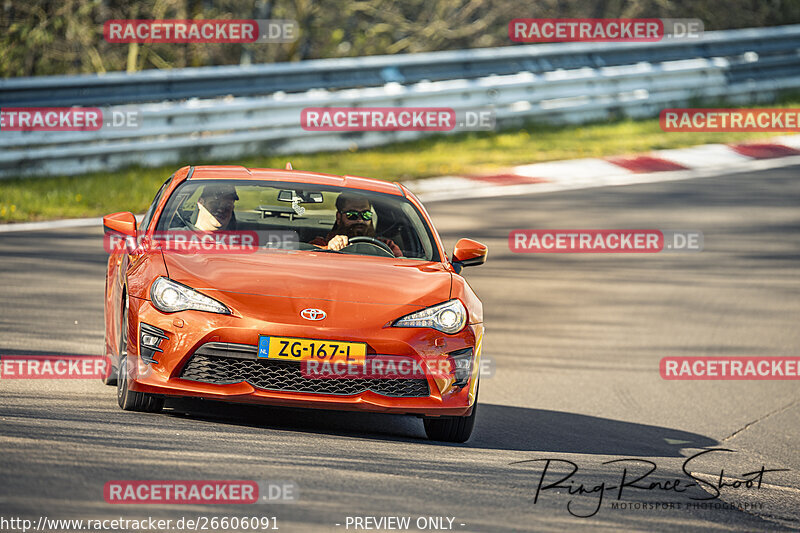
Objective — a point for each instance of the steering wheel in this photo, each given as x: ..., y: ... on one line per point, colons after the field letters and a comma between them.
x: 370, y: 240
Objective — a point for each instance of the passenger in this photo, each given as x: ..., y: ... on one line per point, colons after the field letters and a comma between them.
x: 215, y: 208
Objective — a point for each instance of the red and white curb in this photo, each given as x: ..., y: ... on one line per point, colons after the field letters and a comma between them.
x: 662, y: 165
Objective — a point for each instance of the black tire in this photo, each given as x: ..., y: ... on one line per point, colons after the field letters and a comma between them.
x: 127, y: 399
x: 451, y: 428
x: 110, y: 379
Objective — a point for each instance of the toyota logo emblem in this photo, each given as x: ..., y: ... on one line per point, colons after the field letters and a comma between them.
x: 313, y: 314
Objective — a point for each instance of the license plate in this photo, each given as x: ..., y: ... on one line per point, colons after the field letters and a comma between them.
x: 292, y: 349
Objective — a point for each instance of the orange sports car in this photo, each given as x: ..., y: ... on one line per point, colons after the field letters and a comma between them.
x: 292, y: 288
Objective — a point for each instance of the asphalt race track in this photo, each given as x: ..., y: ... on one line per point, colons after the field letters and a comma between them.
x: 576, y: 341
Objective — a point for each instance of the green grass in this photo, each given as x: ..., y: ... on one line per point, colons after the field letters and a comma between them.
x: 133, y: 189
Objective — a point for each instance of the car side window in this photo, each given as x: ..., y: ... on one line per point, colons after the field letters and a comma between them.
x: 148, y: 216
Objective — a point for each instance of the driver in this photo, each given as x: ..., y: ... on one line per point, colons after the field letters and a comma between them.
x: 353, y: 219
x: 215, y: 208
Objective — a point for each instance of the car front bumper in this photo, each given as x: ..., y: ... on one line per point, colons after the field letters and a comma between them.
x: 189, y: 333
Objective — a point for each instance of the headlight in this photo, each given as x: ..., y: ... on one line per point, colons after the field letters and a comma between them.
x: 169, y: 296
x: 448, y: 317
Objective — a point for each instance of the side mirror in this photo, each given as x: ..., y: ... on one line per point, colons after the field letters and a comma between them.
x: 123, y: 223
x: 468, y: 253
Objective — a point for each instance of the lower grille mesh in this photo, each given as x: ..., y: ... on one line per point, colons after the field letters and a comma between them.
x: 287, y: 376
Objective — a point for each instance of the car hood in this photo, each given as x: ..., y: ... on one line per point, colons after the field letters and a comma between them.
x: 315, y: 275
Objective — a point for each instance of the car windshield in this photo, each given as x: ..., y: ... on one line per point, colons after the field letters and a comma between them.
x: 388, y: 225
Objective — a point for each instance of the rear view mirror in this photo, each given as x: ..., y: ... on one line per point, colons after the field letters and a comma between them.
x: 469, y: 253
x: 300, y: 197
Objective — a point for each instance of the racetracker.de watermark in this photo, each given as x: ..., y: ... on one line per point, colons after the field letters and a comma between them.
x: 256, y: 522
x: 202, y: 492
x: 201, y: 31
x: 54, y: 367
x: 648, y: 30
x: 709, y: 120
x: 397, y: 119
x: 189, y: 242
x: 396, y: 367
x: 68, y: 118
x: 604, y: 241
x: 730, y: 368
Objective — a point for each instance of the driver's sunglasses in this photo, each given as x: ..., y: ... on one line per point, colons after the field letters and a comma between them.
x: 353, y: 215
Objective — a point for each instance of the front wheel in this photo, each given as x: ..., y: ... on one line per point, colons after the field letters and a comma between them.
x: 451, y: 428
x: 110, y: 376
x: 130, y: 400
x: 127, y: 399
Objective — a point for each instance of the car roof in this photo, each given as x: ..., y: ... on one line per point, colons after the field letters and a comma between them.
x: 236, y: 172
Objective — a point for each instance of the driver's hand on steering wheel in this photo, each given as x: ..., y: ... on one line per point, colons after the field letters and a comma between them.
x: 338, y: 242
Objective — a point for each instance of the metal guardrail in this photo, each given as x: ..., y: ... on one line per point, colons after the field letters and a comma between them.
x: 209, y: 82
x: 202, y: 130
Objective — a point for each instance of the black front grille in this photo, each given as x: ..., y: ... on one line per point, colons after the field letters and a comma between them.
x: 241, y: 363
